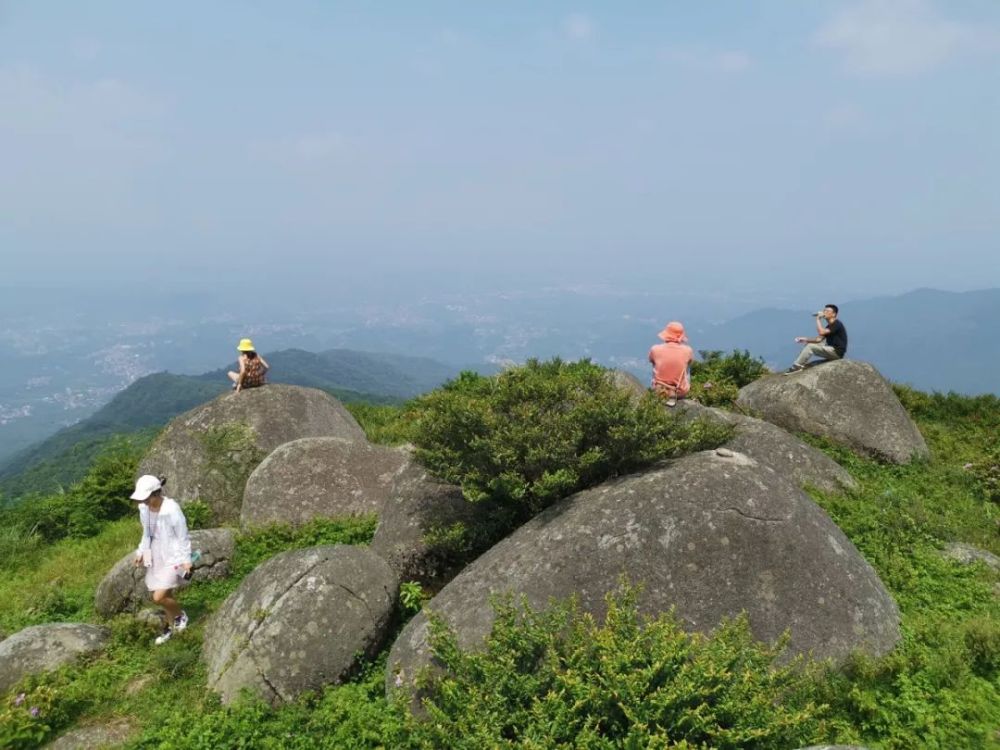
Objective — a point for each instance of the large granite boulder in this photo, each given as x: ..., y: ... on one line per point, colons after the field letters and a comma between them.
x: 774, y: 447
x: 45, y: 647
x: 846, y: 401
x: 415, y: 524
x: 707, y: 534
x: 123, y: 589
x: 208, y: 453
x: 321, y: 478
x: 300, y: 621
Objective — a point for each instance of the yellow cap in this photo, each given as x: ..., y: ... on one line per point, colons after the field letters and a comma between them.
x: 245, y: 345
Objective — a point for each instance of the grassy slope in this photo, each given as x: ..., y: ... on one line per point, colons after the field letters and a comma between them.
x: 940, y: 689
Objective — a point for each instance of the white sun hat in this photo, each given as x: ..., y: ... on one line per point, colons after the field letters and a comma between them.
x: 146, y: 486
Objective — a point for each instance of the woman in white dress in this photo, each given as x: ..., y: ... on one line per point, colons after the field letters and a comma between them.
x: 165, y: 550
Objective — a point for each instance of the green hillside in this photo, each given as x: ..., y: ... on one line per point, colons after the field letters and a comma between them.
x: 143, y: 407
x: 557, y: 679
x: 393, y: 375
x: 152, y: 401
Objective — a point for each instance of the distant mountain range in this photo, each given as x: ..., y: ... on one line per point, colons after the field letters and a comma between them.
x: 932, y: 340
x: 153, y: 400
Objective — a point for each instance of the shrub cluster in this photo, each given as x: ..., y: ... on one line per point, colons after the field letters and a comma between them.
x: 558, y: 678
x: 716, y: 378
x: 78, y: 512
x: 535, y: 434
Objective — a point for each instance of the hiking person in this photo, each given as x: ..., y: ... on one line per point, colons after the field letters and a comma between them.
x: 671, y: 362
x: 831, y: 343
x: 165, y: 550
x: 253, y: 367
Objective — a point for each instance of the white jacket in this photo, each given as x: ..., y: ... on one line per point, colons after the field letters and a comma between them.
x: 172, y: 530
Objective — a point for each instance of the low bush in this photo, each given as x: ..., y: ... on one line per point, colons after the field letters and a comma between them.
x: 83, y: 509
x: 558, y: 678
x: 716, y: 378
x: 535, y: 434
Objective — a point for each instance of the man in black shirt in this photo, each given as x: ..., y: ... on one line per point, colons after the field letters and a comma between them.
x: 830, y: 344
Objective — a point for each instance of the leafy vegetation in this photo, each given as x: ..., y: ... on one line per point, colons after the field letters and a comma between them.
x: 716, y: 378
x: 535, y: 434
x: 80, y: 511
x: 559, y: 678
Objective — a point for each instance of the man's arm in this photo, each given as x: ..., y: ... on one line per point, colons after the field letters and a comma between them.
x: 823, y: 332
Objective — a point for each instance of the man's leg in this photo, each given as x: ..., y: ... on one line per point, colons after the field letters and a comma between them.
x: 815, y: 350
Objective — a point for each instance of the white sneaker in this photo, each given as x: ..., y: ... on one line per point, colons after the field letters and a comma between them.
x: 181, y: 621
x: 161, y: 639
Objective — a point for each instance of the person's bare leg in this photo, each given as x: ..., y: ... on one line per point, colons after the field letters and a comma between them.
x: 234, y: 376
x: 165, y: 599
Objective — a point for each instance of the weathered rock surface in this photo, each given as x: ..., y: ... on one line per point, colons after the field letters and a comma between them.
x: 846, y: 401
x: 774, y: 447
x: 707, y: 534
x: 94, y: 737
x: 123, y: 589
x: 44, y: 647
x: 208, y: 452
x: 299, y: 622
x: 968, y: 554
x: 418, y: 506
x: 321, y: 478
x: 629, y: 383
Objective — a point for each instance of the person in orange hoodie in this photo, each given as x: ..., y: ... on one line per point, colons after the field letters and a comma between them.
x: 671, y: 362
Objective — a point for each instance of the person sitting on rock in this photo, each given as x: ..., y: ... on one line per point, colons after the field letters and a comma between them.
x: 831, y: 343
x: 253, y: 368
x: 671, y: 362
x: 165, y: 550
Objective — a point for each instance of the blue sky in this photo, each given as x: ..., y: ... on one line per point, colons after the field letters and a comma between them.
x: 840, y: 148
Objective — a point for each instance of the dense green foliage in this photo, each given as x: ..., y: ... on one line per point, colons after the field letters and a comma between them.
x: 716, y: 378
x: 559, y: 679
x: 535, y: 434
x: 80, y: 511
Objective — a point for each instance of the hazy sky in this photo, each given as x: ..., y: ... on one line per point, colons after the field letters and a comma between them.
x: 380, y: 148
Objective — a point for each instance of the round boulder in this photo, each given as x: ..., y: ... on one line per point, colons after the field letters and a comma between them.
x: 299, y: 622
x: 45, y: 647
x: 415, y: 523
x: 208, y: 452
x: 321, y: 478
x: 123, y: 589
x: 846, y: 401
x: 774, y: 447
x: 708, y: 535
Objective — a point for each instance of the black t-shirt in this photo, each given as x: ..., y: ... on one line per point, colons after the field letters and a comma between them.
x: 837, y: 338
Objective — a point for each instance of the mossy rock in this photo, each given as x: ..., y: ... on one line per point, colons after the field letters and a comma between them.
x: 209, y: 452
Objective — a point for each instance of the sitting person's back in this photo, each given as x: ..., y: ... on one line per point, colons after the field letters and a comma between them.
x: 253, y: 368
x: 671, y: 361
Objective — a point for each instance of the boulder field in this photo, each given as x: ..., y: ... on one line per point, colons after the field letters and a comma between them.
x: 845, y: 401
x: 208, y: 453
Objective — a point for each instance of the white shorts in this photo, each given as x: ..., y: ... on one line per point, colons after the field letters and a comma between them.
x: 160, y: 578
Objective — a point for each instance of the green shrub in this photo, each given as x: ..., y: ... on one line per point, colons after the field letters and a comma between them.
x: 83, y: 509
x: 986, y: 474
x: 198, y: 515
x: 558, y: 678
x: 535, y: 434
x: 716, y: 378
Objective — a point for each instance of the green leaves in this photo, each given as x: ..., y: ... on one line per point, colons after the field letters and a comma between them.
x: 535, y: 434
x: 560, y: 679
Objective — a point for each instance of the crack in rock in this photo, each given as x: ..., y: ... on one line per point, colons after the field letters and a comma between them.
x: 752, y: 517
